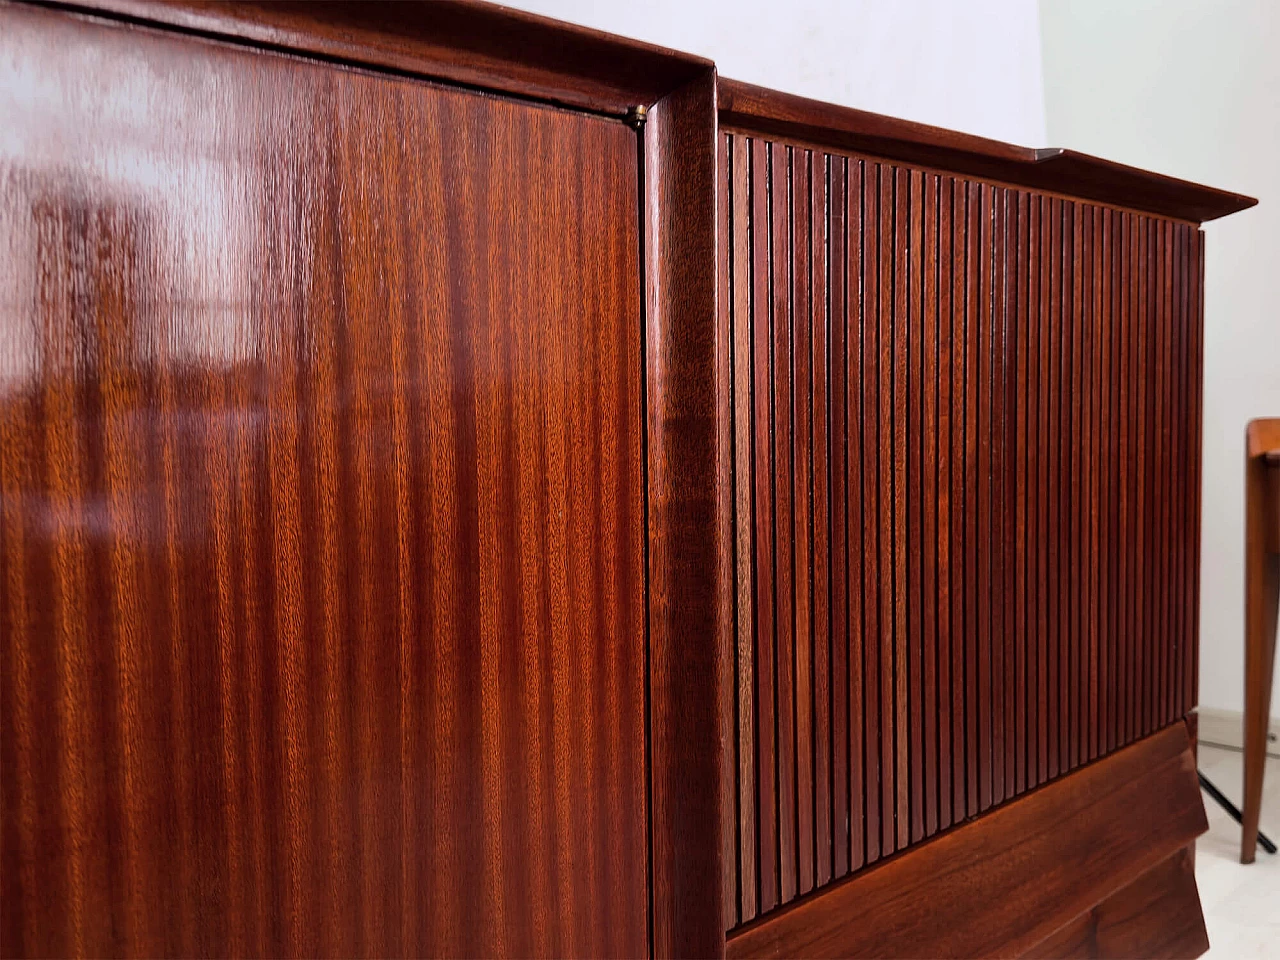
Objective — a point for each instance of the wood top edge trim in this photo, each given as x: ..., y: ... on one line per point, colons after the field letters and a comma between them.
x: 481, y: 45
x: 942, y: 170
x: 1050, y: 168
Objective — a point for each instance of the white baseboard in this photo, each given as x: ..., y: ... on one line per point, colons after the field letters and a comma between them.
x: 1225, y: 728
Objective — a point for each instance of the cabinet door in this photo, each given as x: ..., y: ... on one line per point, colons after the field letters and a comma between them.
x: 322, y: 560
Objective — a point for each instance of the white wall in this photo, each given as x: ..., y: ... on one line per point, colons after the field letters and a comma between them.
x: 1192, y: 88
x: 967, y: 66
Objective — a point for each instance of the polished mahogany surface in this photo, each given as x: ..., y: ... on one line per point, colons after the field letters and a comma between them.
x: 321, y: 462
x: 689, y: 569
x: 966, y: 425
x: 448, y: 520
x: 479, y: 44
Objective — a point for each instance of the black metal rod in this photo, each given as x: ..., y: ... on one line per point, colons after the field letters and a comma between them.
x: 1227, y: 805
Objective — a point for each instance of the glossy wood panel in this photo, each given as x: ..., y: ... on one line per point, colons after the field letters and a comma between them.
x: 321, y: 463
x: 965, y: 488
x: 482, y: 45
x: 1003, y: 884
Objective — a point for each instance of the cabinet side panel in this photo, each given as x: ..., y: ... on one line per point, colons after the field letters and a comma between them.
x: 1007, y: 520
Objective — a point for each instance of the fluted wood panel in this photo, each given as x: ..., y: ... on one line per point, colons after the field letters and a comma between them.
x: 965, y: 489
x: 322, y: 619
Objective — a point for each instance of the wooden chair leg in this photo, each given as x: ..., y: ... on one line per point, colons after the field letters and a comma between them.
x: 1262, y: 599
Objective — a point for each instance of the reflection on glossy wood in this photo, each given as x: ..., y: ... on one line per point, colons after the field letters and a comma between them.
x: 965, y: 479
x: 320, y: 455
x: 478, y: 44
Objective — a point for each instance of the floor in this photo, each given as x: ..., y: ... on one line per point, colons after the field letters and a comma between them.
x: 1241, y: 903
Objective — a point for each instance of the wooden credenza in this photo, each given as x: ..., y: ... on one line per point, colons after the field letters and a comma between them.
x: 475, y: 486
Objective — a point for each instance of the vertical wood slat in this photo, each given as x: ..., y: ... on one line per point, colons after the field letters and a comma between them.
x: 801, y: 498
x: 740, y: 299
x: 1041, y: 354
x: 868, y: 374
x: 1018, y: 479
x: 729, y: 853
x: 930, y: 781
x: 1189, y: 520
x: 1033, y: 592
x: 1093, y: 432
x: 971, y: 511
x: 948, y: 728
x: 841, y: 437
x: 1170, y: 394
x: 1052, y: 355
x: 965, y: 454
x: 820, y: 553
x: 1073, y: 234
x: 898, y: 257
x: 911, y: 448
x: 886, y: 358
x: 1058, y: 353
x: 1125, y: 457
x: 782, y: 420
x: 961, y: 722
x: 761, y: 477
x: 1142, y: 362
x: 1177, y: 387
x: 1007, y: 399
x: 993, y: 404
x: 1103, y: 494
x: 854, y: 528
x: 1197, y: 392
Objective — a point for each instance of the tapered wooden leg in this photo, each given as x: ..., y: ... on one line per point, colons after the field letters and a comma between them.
x: 1262, y: 597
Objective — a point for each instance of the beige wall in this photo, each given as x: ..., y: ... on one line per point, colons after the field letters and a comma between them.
x: 1192, y: 88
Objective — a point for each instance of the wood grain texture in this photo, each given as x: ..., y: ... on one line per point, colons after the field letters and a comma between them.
x: 477, y: 44
x: 1026, y: 870
x: 746, y: 107
x: 964, y: 415
x: 688, y: 374
x: 321, y: 462
x: 437, y: 520
x: 1158, y: 915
